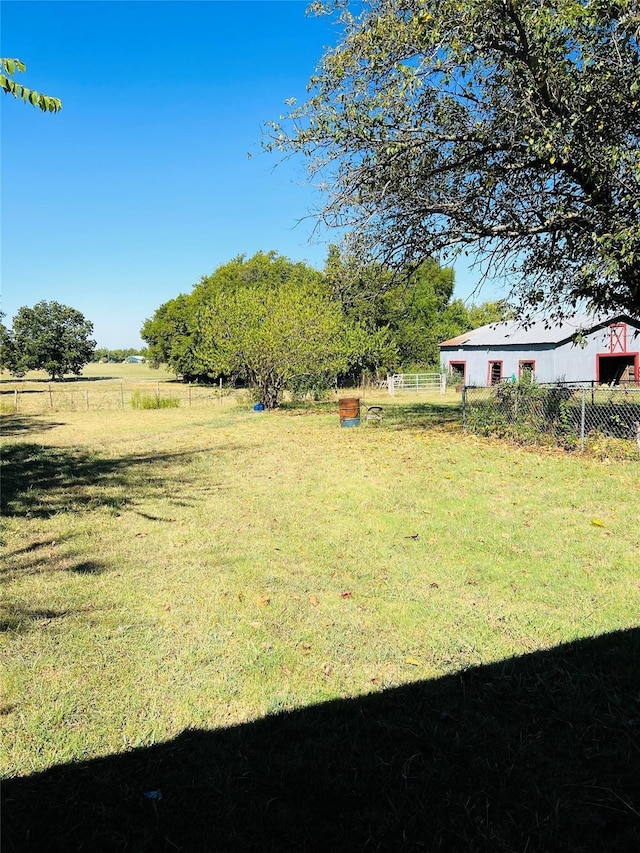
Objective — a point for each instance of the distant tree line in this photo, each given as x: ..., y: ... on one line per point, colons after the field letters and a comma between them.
x: 277, y: 324
x: 271, y: 323
x: 114, y: 356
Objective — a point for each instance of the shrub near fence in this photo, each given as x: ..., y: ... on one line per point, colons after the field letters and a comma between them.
x: 567, y: 415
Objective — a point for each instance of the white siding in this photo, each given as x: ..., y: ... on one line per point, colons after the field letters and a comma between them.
x: 569, y: 361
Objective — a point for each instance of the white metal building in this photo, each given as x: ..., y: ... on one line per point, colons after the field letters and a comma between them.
x: 604, y: 350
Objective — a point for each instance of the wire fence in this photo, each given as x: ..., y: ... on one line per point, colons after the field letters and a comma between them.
x: 569, y: 415
x: 106, y: 395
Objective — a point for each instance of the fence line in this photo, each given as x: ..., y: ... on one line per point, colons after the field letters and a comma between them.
x: 568, y: 415
x: 107, y: 395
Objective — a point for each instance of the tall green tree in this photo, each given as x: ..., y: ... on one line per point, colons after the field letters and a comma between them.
x: 264, y: 319
x: 51, y: 337
x: 508, y: 127
x: 274, y: 335
x: 171, y: 335
x: 409, y: 313
x: 8, y: 69
x: 5, y: 345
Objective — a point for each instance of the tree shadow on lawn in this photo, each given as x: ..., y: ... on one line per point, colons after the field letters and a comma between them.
x: 43, y: 557
x: 421, y: 416
x: 17, y: 619
x: 39, y: 481
x: 394, y: 415
x: 25, y: 424
x: 538, y: 753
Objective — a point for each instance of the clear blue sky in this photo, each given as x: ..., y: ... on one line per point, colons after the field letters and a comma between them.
x: 143, y: 182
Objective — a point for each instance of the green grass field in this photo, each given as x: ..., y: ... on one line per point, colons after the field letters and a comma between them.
x: 259, y: 612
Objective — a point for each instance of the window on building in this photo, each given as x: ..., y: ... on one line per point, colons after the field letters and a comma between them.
x: 458, y: 371
x: 495, y: 372
x: 526, y: 370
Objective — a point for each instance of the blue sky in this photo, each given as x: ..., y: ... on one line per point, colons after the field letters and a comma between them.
x: 143, y: 182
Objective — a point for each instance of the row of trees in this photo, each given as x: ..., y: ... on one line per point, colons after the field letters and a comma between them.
x: 114, y: 356
x: 277, y: 324
x: 271, y: 322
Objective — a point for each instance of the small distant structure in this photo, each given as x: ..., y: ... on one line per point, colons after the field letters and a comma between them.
x: 135, y: 359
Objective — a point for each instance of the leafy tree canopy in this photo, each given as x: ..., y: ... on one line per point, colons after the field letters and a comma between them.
x: 414, y: 312
x: 508, y: 128
x: 49, y: 337
x: 8, y: 69
x: 265, y: 319
x: 172, y: 337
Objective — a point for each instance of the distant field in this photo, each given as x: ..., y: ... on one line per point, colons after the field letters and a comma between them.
x: 200, y: 568
x: 124, y: 370
x: 120, y: 370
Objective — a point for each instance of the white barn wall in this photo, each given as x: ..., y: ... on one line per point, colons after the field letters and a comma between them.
x: 568, y: 361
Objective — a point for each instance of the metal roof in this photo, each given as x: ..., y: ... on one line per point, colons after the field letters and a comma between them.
x: 543, y: 331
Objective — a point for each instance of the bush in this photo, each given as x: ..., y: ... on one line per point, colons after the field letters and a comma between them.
x: 316, y: 386
x: 153, y: 401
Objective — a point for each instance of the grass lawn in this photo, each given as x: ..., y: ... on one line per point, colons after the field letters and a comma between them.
x: 314, y: 638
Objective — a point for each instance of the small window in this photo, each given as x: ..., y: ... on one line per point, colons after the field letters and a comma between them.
x: 458, y: 370
x: 495, y: 372
x: 526, y: 370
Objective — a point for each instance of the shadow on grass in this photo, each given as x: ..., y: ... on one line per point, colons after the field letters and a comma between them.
x: 427, y: 415
x: 421, y: 415
x: 39, y: 558
x: 17, y: 619
x: 25, y: 424
x: 40, y: 481
x: 538, y: 753
x: 43, y: 557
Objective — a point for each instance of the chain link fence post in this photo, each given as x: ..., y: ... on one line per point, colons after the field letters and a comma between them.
x: 464, y: 408
x: 582, y: 417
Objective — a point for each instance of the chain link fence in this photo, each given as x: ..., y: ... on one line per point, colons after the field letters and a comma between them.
x: 572, y: 416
